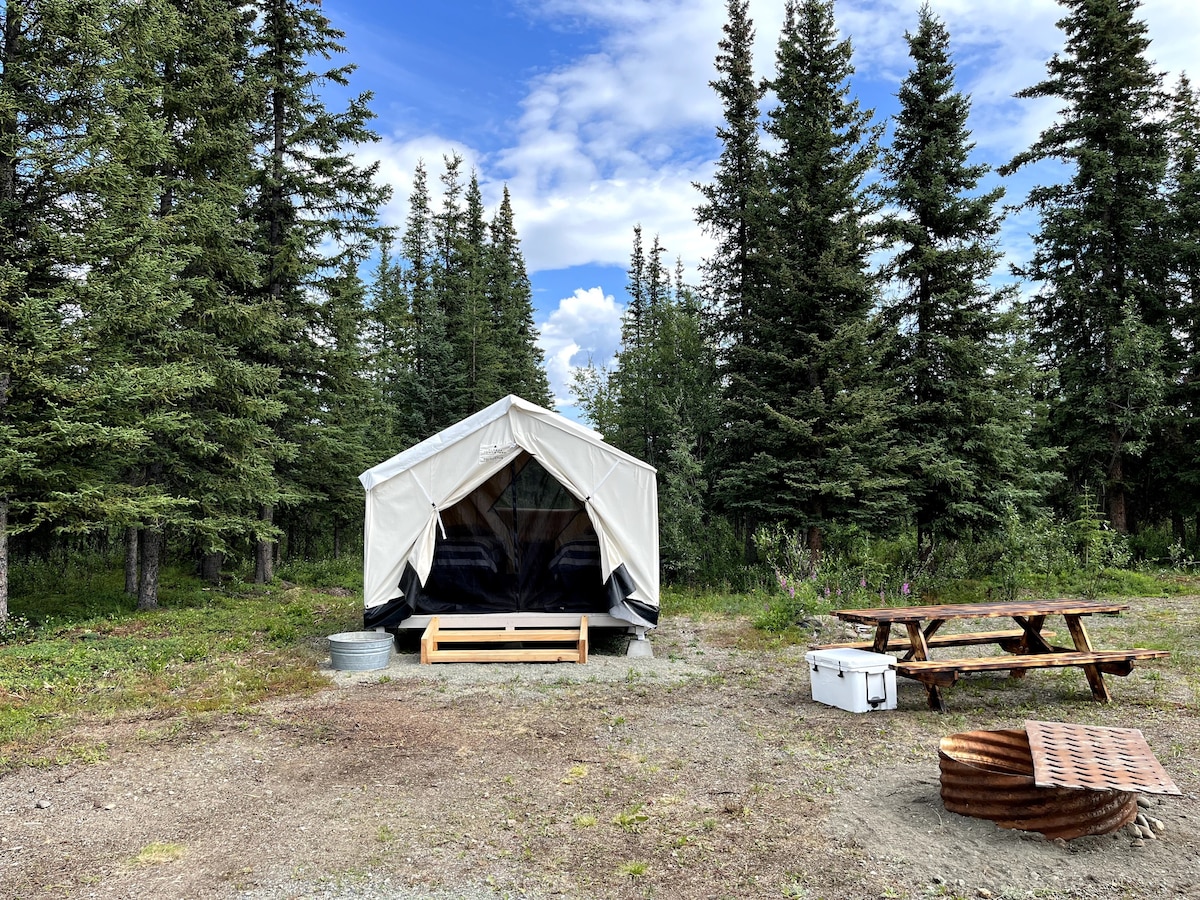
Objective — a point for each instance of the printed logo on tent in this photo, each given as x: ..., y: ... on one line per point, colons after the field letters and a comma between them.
x: 496, y: 451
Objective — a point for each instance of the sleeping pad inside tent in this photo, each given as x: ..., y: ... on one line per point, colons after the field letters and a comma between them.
x: 517, y: 511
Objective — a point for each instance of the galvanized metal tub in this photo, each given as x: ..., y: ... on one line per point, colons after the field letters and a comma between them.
x: 989, y: 775
x: 360, y: 651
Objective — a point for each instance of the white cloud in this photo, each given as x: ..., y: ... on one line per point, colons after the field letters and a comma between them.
x: 619, y: 135
x: 585, y: 326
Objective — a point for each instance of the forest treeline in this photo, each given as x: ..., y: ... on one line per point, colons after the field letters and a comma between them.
x: 804, y: 389
x: 193, y: 358
x: 190, y: 356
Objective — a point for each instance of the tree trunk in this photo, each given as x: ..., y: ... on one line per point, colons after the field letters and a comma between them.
x: 131, y: 561
x: 337, y: 541
x: 148, y: 583
x: 264, y: 569
x: 8, y: 193
x: 815, y: 546
x: 749, y: 551
x: 1118, y: 512
x: 3, y: 559
x: 924, y: 536
x: 210, y: 568
x: 4, y: 380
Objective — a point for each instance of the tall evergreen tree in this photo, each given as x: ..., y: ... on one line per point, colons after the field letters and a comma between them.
x: 1100, y: 313
x: 133, y: 301
x: 658, y: 403
x: 1176, y: 472
x: 952, y: 350
x: 732, y: 201
x: 48, y: 77
x: 390, y: 338
x: 453, y: 287
x: 227, y: 466
x: 477, y: 332
x: 522, y: 369
x: 314, y: 207
x: 342, y: 445
x: 638, y: 377
x: 434, y: 385
x: 808, y: 436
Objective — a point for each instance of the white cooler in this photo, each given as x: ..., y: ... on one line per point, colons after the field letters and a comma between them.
x: 854, y: 680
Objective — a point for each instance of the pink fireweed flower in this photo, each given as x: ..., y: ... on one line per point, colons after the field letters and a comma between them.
x: 904, y: 589
x: 862, y: 582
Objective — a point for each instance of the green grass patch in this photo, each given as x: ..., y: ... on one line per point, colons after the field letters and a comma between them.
x: 699, y: 603
x: 89, y: 655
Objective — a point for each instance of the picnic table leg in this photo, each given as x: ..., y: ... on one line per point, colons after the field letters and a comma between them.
x: 1032, y: 642
x: 882, y: 632
x: 920, y: 650
x: 916, y: 640
x: 1084, y: 643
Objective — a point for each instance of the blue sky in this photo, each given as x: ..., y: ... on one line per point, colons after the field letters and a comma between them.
x: 598, y: 116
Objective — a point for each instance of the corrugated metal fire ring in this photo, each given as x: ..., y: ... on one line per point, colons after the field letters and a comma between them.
x: 990, y: 775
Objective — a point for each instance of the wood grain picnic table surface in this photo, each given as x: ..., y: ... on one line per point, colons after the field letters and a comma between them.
x: 1028, y: 647
x: 1002, y: 609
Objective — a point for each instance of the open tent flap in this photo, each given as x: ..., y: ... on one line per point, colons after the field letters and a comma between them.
x: 519, y: 542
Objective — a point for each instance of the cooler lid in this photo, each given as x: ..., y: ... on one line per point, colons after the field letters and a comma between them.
x: 847, y: 659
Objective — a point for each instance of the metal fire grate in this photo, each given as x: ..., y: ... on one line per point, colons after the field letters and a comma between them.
x: 1096, y: 758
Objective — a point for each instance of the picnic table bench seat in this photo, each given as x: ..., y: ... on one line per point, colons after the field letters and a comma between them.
x: 947, y: 671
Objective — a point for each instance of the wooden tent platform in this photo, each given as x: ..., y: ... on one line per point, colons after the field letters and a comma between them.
x: 435, y: 638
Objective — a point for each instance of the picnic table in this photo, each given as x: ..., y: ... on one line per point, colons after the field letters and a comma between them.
x: 1026, y: 647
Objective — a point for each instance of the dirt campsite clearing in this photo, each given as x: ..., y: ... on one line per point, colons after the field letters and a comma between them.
x: 705, y: 772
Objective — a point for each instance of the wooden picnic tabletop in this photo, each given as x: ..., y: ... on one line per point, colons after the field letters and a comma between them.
x: 941, y: 612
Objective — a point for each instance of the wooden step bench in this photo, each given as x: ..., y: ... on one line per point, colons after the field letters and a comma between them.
x: 932, y: 672
x: 965, y: 639
x: 433, y: 639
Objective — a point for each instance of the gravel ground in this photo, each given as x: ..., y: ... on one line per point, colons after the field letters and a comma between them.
x: 705, y: 772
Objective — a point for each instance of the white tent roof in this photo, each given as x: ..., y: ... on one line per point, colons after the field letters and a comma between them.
x: 406, y: 493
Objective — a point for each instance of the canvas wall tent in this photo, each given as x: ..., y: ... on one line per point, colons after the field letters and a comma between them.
x: 515, y: 510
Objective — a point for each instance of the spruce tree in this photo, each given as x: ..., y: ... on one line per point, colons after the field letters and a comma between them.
x: 731, y: 201
x: 639, y: 413
x: 455, y: 289
x: 1100, y: 313
x: 314, y: 207
x: 808, y: 434
x: 1176, y: 475
x: 227, y: 469
x: 390, y: 337
x: 522, y: 369
x: 971, y: 457
x: 48, y: 72
x: 434, y: 386
x: 657, y: 404
x: 477, y: 332
x: 54, y: 62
